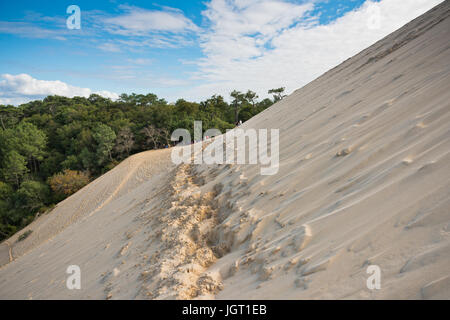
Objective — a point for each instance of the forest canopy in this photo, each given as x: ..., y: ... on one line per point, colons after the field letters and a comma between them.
x: 53, y: 147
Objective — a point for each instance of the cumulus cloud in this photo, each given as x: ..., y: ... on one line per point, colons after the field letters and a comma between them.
x: 255, y: 44
x: 241, y: 29
x: 21, y: 88
x: 107, y: 94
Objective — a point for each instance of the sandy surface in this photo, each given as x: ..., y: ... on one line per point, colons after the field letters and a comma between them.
x: 364, y: 179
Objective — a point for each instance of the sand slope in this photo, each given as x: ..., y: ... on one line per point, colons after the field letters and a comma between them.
x: 364, y: 179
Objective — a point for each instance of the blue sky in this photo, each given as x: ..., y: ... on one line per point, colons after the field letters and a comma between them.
x: 184, y: 49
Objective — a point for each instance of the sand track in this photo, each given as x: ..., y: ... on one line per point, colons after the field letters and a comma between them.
x: 177, y: 268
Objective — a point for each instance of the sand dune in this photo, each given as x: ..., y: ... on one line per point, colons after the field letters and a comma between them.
x: 364, y: 179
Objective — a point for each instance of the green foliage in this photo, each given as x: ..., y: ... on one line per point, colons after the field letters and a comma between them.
x: 105, y: 137
x: 30, y: 141
x: 24, y: 235
x: 32, y: 195
x: 66, y: 140
x: 5, y: 191
x: 277, y: 93
x: 14, y: 167
x: 238, y: 100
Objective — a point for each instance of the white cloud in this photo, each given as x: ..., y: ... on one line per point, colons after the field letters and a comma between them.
x: 16, y: 89
x: 31, y: 30
x: 141, y: 61
x: 258, y: 45
x: 131, y: 27
x: 107, y: 94
x: 137, y: 28
x: 139, y: 22
x: 109, y: 47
